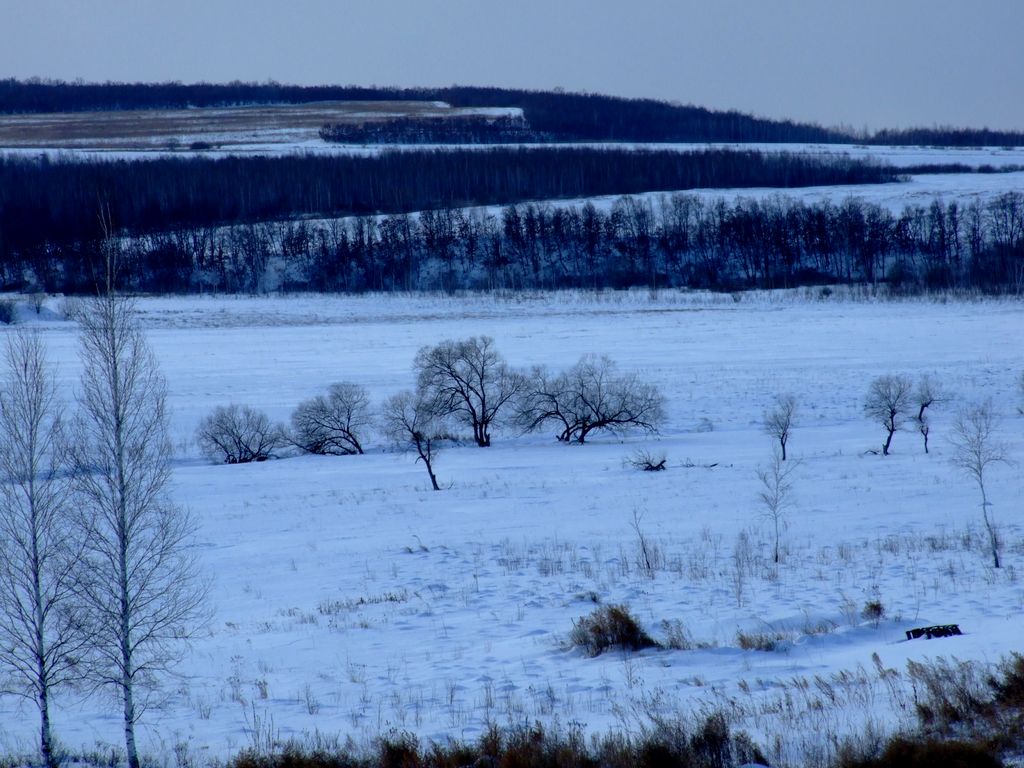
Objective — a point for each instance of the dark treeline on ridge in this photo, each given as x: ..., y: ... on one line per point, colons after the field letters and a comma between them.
x: 948, y: 137
x: 562, y: 116
x: 669, y: 241
x: 57, y: 201
x: 469, y: 129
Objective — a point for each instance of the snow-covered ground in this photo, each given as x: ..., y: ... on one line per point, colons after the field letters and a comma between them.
x: 270, y: 140
x: 349, y: 598
x: 920, y: 190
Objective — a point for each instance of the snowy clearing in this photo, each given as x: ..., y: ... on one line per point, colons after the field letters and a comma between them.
x: 349, y: 598
x: 920, y: 190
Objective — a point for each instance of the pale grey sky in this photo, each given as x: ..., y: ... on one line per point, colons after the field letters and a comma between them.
x: 873, y: 63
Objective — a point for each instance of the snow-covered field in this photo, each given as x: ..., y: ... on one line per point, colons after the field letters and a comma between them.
x: 918, y: 190
x: 350, y: 599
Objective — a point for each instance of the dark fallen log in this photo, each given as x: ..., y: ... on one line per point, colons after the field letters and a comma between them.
x: 939, y: 630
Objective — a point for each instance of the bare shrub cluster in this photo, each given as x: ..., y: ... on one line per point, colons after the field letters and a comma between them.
x: 608, y: 627
x: 966, y: 716
x: 705, y: 741
x: 767, y: 640
x: 903, y: 752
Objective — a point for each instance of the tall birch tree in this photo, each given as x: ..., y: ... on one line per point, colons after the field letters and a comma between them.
x: 42, y: 639
x: 141, y: 590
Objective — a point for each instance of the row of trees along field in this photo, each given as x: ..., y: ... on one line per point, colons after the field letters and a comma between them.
x: 673, y: 241
x: 42, y: 200
x: 467, y: 129
x: 559, y: 115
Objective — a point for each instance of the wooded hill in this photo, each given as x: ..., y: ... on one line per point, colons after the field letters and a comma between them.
x: 558, y: 116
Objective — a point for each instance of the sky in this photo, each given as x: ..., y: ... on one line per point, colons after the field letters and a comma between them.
x: 865, y: 64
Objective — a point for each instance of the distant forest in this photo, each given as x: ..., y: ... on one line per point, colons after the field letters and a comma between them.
x: 453, y: 219
x: 57, y: 202
x: 673, y: 241
x: 461, y: 129
x: 560, y: 116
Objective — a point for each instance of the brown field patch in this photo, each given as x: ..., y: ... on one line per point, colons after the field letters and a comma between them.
x: 214, y: 127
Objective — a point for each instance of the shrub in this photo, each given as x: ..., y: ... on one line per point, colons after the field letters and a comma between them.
x: 610, y: 626
x: 400, y: 750
x: 677, y: 637
x: 7, y: 307
x: 760, y: 641
x: 873, y: 611
x: 906, y: 753
x: 948, y: 694
x: 1009, y: 689
x: 703, y: 743
x: 238, y: 434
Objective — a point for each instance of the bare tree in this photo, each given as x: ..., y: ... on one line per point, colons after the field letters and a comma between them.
x: 333, y: 423
x: 887, y: 402
x: 41, y: 638
x: 779, y: 420
x: 977, y: 449
x: 413, y: 421
x: 927, y: 395
x: 238, y: 434
x: 468, y: 380
x: 776, y: 495
x: 139, y: 588
x: 589, y: 396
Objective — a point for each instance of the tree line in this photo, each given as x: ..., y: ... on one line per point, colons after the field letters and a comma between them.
x: 947, y: 136
x: 566, y: 116
x: 49, y: 204
x: 435, y: 129
x: 459, y: 383
x: 561, y: 115
x: 673, y: 241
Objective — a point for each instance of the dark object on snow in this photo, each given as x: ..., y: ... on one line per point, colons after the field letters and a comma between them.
x: 940, y: 630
